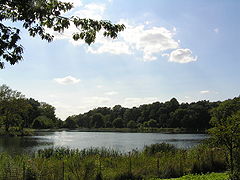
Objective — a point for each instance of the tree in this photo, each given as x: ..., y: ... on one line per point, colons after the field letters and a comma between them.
x: 97, y: 120
x: 47, y: 110
x: 42, y: 122
x: 226, y: 128
x: 132, y: 124
x: 70, y: 122
x: 117, y: 123
x: 152, y: 123
x: 38, y: 15
x: 12, y: 106
x: 33, y: 112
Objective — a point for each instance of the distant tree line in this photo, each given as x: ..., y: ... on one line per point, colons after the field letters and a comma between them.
x: 170, y: 114
x: 18, y: 111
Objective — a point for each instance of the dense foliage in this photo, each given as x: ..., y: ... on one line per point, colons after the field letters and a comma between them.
x: 36, y: 16
x: 21, y: 112
x: 211, y: 176
x: 18, y: 111
x: 226, y: 131
x: 170, y: 114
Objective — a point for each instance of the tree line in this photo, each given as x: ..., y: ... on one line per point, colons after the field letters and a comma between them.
x: 171, y: 114
x: 18, y: 111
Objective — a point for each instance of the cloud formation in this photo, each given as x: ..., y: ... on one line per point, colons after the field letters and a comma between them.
x: 67, y: 80
x: 143, y: 40
x: 111, y: 47
x: 148, y: 41
x: 96, y: 100
x: 205, y: 92
x: 92, y: 10
x: 182, y: 56
x: 111, y: 93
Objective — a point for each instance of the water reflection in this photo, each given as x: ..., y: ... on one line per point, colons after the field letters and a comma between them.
x: 119, y: 141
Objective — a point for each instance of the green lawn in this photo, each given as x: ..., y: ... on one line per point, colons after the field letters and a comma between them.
x: 212, y: 176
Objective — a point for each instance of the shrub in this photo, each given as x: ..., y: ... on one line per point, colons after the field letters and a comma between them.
x: 162, y: 147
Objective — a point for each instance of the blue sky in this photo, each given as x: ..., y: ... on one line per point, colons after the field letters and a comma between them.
x: 184, y: 49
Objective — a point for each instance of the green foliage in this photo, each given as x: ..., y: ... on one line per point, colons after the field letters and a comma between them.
x: 13, y: 106
x: 118, y: 123
x: 193, y: 117
x: 211, y: 176
x: 226, y: 129
x: 38, y: 15
x: 16, y: 131
x: 156, y: 148
x: 17, y: 112
x: 131, y: 124
x: 70, y: 123
x: 42, y: 122
x: 97, y: 120
x: 93, y: 163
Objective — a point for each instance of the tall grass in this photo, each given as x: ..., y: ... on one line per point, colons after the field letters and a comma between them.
x: 160, y: 160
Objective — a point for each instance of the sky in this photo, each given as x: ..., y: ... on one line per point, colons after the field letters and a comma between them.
x: 185, y: 49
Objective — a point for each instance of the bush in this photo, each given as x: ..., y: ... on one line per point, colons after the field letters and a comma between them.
x: 162, y: 147
x: 127, y: 176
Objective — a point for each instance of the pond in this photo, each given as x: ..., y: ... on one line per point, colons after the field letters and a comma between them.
x: 123, y: 142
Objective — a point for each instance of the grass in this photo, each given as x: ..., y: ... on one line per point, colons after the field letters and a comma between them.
x: 155, y: 161
x: 210, y: 176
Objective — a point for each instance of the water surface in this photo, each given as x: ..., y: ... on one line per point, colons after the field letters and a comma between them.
x: 123, y: 142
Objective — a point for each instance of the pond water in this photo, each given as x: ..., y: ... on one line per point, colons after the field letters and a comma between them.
x: 123, y: 142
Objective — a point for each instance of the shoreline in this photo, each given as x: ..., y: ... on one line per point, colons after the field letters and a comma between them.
x: 128, y: 130
x: 32, y: 132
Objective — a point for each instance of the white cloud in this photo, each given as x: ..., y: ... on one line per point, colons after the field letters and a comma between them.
x: 165, y: 54
x: 205, y: 92
x: 95, y: 100
x: 149, y: 41
x: 111, y: 93
x: 99, y: 86
x: 92, y: 10
x: 182, y: 56
x: 208, y: 92
x: 67, y: 80
x: 130, y: 102
x: 111, y: 47
x: 216, y: 30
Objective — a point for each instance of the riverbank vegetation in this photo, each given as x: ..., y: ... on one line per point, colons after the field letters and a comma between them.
x: 211, y: 176
x: 155, y: 161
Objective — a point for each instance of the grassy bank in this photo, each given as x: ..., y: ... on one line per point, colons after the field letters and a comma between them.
x: 155, y: 161
x: 211, y: 176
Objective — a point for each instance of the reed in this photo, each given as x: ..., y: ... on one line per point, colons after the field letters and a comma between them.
x: 160, y: 160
